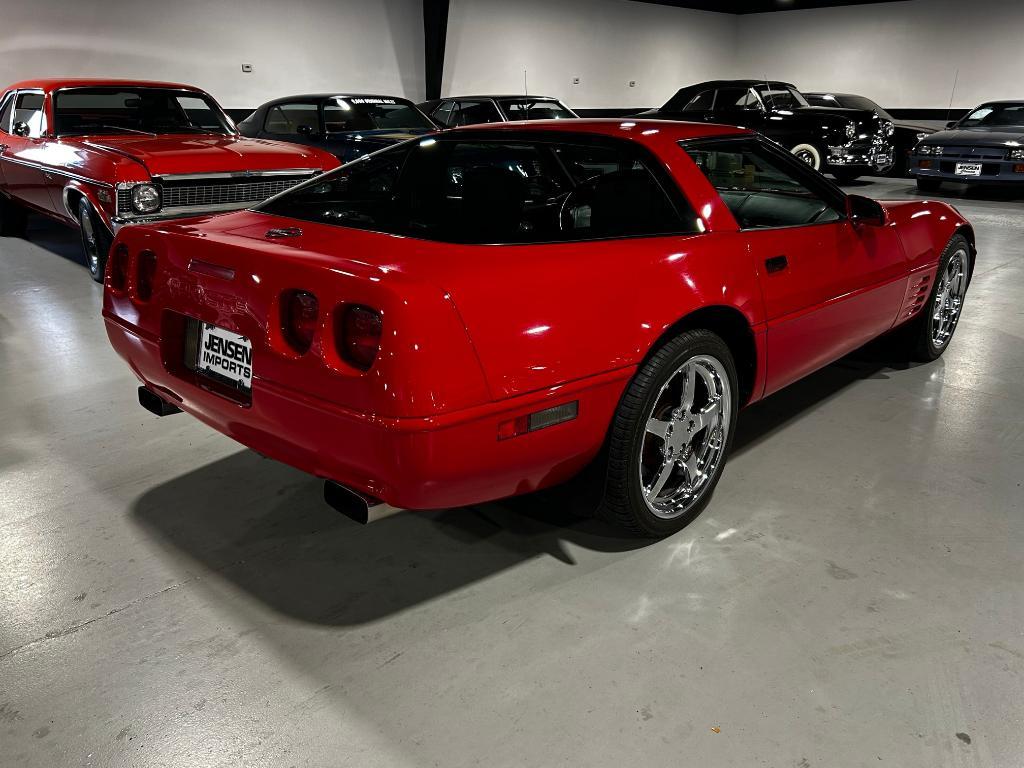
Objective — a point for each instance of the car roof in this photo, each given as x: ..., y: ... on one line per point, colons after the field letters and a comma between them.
x: 737, y: 84
x: 53, y: 84
x: 334, y: 95
x: 500, y: 96
x: 671, y: 130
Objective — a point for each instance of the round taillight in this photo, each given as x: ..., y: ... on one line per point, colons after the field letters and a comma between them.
x: 359, y: 339
x: 299, y: 312
x: 118, y: 267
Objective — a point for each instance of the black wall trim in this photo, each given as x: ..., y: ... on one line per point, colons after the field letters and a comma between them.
x: 239, y: 114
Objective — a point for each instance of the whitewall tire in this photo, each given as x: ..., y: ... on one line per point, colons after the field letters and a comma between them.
x: 809, y: 154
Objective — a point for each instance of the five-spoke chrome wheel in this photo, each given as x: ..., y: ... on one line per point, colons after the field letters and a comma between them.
x: 685, y: 436
x: 949, y: 298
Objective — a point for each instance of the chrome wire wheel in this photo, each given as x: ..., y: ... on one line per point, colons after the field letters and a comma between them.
x: 685, y: 435
x: 949, y: 298
x: 89, y: 241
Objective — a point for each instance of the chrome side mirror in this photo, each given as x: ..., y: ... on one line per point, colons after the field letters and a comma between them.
x: 864, y: 210
x: 21, y: 129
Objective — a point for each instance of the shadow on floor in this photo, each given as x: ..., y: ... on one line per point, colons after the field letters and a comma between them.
x: 56, y: 238
x: 266, y: 528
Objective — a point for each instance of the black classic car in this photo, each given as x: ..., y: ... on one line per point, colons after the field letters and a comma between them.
x: 985, y: 147
x: 471, y: 110
x: 347, y: 125
x: 844, y: 142
x: 904, y: 137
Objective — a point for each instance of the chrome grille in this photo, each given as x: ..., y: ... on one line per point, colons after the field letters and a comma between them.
x: 212, y: 194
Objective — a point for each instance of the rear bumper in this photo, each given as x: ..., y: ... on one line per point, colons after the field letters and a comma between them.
x: 992, y: 171
x: 448, y: 460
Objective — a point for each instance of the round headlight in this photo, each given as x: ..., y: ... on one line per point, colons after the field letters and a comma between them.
x: 145, y: 198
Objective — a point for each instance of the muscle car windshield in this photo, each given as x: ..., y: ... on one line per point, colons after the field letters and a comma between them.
x: 370, y: 114
x: 780, y: 98
x: 534, y: 109
x: 1003, y: 115
x: 151, y: 111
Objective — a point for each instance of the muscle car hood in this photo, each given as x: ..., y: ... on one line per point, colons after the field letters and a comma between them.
x: 982, y: 136
x: 206, y: 154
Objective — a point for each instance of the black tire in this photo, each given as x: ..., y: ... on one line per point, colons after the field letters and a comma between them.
x: 13, y: 218
x: 919, y: 335
x: 925, y: 184
x: 845, y: 177
x: 96, y: 240
x: 625, y: 503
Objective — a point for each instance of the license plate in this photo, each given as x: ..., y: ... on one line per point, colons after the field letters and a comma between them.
x: 225, y: 356
x: 968, y: 169
x: 883, y: 159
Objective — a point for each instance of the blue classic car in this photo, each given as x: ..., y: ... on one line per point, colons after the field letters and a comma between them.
x: 347, y: 125
x: 986, y: 147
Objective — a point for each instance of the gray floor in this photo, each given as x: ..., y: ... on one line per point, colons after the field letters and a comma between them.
x: 852, y: 597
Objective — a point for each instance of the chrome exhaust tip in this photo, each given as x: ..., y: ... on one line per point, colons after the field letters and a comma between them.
x: 363, y: 509
x: 153, y: 403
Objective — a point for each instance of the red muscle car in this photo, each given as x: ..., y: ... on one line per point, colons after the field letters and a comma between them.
x: 487, y: 311
x: 97, y: 154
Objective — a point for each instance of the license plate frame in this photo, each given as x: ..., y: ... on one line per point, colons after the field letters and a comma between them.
x: 968, y: 169
x: 223, y: 356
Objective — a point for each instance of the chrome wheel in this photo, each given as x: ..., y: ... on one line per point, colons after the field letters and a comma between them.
x: 949, y: 298
x: 685, y: 436
x: 89, y: 242
x: 806, y: 157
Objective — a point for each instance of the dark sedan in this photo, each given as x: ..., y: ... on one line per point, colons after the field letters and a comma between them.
x: 475, y: 110
x: 985, y: 147
x: 348, y: 126
x: 905, y: 135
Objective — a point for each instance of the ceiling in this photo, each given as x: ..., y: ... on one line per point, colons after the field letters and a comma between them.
x: 759, y: 6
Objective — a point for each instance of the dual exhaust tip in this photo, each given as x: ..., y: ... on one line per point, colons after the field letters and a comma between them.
x: 351, y: 503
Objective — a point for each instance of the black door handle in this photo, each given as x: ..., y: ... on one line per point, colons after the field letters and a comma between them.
x: 776, y: 264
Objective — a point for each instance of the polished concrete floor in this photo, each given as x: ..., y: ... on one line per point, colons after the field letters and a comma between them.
x: 854, y: 596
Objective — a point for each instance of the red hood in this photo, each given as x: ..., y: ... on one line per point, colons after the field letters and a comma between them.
x: 208, y: 153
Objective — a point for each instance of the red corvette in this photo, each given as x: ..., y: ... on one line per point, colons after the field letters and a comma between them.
x: 97, y: 154
x: 486, y: 311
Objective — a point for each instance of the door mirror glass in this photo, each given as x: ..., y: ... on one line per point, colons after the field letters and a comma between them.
x: 21, y: 129
x: 864, y: 210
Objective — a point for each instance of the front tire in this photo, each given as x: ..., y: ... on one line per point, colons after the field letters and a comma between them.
x: 96, y: 240
x: 809, y: 154
x: 13, y: 218
x: 928, y: 185
x: 671, y: 435
x: 928, y: 335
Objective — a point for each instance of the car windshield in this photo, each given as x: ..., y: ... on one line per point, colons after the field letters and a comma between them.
x: 152, y: 111
x: 995, y: 115
x: 372, y: 113
x: 780, y: 97
x: 534, y: 109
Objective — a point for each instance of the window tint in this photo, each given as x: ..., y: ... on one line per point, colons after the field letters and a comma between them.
x: 702, y: 102
x: 760, y: 189
x: 474, y: 113
x: 443, y: 113
x: 5, y: 114
x: 292, y: 119
x: 28, y: 109
x: 111, y: 110
x: 731, y: 99
x: 483, y: 191
x: 534, y: 109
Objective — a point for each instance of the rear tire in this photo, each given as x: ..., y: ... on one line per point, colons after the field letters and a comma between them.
x: 809, y: 154
x: 671, y: 435
x: 928, y: 185
x: 928, y: 335
x: 13, y: 218
x: 96, y: 240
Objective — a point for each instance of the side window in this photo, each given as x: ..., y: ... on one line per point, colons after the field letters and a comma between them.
x: 735, y: 99
x: 474, y: 113
x: 615, y: 194
x: 5, y: 113
x: 28, y: 109
x: 443, y: 113
x: 702, y: 102
x: 292, y: 119
x: 760, y: 189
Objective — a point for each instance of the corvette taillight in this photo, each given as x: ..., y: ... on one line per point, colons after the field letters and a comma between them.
x: 119, y: 268
x: 299, y: 312
x: 145, y: 271
x: 359, y: 336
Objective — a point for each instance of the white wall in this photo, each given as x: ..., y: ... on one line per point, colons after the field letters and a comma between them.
x: 606, y: 43
x: 294, y: 46
x: 900, y: 54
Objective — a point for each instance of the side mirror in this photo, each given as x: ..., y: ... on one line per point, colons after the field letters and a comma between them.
x: 951, y: 124
x: 21, y: 129
x: 864, y: 210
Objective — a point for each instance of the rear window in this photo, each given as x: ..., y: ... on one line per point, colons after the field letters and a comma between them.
x: 489, y: 191
x: 372, y: 114
x: 535, y: 109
